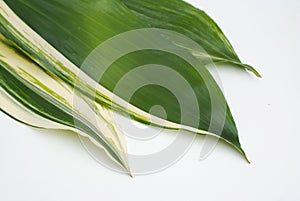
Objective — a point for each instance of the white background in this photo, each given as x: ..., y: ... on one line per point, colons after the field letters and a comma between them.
x: 53, y: 166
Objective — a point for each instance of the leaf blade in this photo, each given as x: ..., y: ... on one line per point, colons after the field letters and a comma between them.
x: 66, y: 72
x: 182, y: 17
x: 48, y: 104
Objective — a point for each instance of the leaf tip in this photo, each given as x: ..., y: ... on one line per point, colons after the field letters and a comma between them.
x: 251, y: 69
x: 245, y: 156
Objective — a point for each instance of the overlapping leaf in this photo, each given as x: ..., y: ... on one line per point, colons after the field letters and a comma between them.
x: 61, y: 34
x: 38, y: 99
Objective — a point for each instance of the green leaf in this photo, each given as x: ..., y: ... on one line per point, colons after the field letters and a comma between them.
x: 38, y: 99
x: 61, y: 34
x: 182, y: 17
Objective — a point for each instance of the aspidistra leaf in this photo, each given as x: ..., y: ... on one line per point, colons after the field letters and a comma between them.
x: 184, y: 18
x: 38, y: 99
x: 61, y: 34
